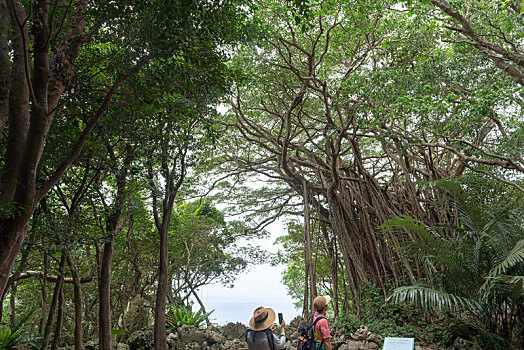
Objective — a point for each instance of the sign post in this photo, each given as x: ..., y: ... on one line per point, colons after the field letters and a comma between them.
x: 399, y: 343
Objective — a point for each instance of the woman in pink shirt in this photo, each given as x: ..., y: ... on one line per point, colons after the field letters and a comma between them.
x: 321, y: 329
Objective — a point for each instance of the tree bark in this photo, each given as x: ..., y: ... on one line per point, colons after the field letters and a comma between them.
x: 104, y: 285
x: 54, y: 303
x: 308, y: 249
x: 12, y: 304
x: 104, y: 295
x: 59, y: 320
x: 5, y: 66
x: 161, y: 294
x: 77, y: 298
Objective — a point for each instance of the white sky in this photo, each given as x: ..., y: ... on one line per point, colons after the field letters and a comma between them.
x: 260, y: 286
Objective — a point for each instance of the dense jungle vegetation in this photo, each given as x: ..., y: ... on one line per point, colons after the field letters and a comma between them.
x: 141, y: 140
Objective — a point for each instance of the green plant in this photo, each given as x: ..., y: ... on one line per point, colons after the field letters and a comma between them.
x: 476, y: 267
x: 386, y: 319
x: 179, y: 316
x: 11, y: 338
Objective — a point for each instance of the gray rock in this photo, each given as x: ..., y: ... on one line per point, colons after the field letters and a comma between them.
x: 91, y: 345
x: 352, y: 345
x: 121, y: 346
x: 136, y: 316
x: 213, y: 336
x: 361, y: 333
x: 141, y: 339
x: 465, y: 345
x: 235, y: 344
x: 171, y: 340
x: 234, y: 331
x: 193, y: 346
x: 187, y: 335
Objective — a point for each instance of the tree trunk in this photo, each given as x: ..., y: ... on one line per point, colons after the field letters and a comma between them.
x: 5, y: 69
x: 77, y: 287
x: 59, y: 319
x: 332, y: 250
x: 12, y: 304
x: 308, y: 247
x: 54, y: 303
x: 305, y: 308
x: 161, y: 294
x: 104, y: 295
x: 43, y: 282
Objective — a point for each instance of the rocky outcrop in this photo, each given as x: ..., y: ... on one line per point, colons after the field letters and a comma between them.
x: 232, y: 337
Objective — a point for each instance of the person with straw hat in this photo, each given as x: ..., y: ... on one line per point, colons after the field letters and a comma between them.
x: 321, y: 328
x: 260, y: 336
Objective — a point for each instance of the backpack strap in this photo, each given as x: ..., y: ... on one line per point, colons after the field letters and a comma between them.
x: 315, y: 322
x: 270, y: 338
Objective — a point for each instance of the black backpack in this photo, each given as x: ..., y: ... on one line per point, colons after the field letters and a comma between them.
x: 306, y: 338
x: 269, y: 335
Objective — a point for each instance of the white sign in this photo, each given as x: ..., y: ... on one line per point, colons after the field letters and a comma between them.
x: 399, y: 343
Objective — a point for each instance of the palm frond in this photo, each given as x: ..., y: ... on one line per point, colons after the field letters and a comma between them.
x: 431, y: 246
x: 515, y: 256
x: 470, y: 214
x: 432, y: 299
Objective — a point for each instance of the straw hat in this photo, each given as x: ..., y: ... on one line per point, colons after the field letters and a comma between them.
x: 263, y: 317
x: 321, y: 301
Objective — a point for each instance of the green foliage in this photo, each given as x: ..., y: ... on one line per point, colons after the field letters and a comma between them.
x: 476, y: 267
x: 386, y: 319
x: 179, y: 316
x: 13, y: 338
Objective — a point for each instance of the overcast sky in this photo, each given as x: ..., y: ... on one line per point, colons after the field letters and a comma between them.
x: 260, y: 286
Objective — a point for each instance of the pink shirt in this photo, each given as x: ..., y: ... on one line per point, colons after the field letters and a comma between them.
x: 321, y: 328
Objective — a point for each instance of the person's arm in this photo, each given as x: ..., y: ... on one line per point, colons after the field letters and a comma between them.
x: 280, y: 343
x: 327, y: 344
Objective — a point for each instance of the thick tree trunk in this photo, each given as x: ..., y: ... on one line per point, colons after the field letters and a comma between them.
x: 5, y: 66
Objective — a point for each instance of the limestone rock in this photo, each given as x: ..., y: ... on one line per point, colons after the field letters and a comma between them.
x: 186, y: 336
x: 171, y: 341
x: 121, y: 346
x: 141, y: 339
x: 352, y: 345
x: 234, y: 331
x: 361, y: 333
x: 235, y: 344
x: 213, y: 336
x: 136, y: 316
x: 91, y: 345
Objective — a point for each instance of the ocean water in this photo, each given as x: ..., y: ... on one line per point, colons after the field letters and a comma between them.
x: 242, y: 311
x: 259, y: 286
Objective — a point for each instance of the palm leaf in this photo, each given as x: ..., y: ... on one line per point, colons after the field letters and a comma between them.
x: 515, y: 256
x: 432, y: 299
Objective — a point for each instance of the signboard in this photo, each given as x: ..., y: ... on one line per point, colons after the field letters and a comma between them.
x: 399, y: 343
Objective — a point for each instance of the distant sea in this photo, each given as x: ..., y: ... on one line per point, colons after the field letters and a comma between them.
x: 226, y: 312
x: 259, y: 286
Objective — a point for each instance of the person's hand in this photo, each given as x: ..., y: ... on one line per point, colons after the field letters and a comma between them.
x: 273, y: 327
x: 282, y: 325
